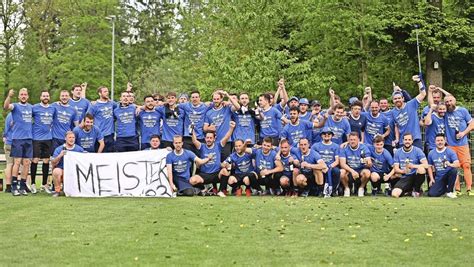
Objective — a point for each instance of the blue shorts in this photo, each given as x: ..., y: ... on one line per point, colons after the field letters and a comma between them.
x: 22, y: 148
x: 181, y: 183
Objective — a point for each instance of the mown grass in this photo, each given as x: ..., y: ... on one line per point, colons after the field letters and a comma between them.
x: 41, y: 230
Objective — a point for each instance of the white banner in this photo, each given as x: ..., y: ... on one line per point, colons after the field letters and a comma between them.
x: 126, y: 174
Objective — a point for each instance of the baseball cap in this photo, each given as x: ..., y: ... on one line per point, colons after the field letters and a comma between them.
x: 304, y: 101
x: 326, y: 130
x: 293, y: 98
x: 352, y: 100
x: 315, y: 103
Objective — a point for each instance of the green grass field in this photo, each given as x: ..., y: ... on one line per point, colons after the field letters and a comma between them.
x: 41, y: 230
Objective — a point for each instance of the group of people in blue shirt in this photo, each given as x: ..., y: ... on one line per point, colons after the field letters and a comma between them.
x: 280, y: 146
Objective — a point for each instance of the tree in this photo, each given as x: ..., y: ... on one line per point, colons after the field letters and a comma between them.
x: 12, y: 18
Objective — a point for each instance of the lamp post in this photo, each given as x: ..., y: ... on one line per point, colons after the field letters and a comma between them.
x: 112, y: 78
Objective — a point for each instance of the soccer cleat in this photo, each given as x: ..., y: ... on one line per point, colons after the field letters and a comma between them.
x: 55, y: 194
x: 470, y: 193
x: 305, y: 193
x: 23, y: 192
x: 415, y: 194
x: 451, y: 195
x: 33, y: 189
x: 15, y: 192
x: 458, y: 193
x: 248, y: 192
x: 46, y: 188
x: 238, y: 192
x: 374, y: 192
x: 360, y: 192
x: 347, y: 192
x: 221, y: 194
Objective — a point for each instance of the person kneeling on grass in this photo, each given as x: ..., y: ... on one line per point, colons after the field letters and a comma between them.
x: 382, y: 166
x: 209, y: 173
x: 285, y: 178
x: 355, y: 163
x: 411, y: 163
x: 268, y: 167
x: 58, y: 161
x: 238, y: 169
x: 178, y: 163
x: 444, y: 163
x: 308, y: 176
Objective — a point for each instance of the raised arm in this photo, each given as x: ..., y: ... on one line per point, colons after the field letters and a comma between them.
x: 7, y: 104
x: 228, y: 134
x: 422, y: 94
x: 196, y: 142
x: 427, y: 120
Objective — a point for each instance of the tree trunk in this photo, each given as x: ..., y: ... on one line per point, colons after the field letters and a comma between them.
x: 434, y: 72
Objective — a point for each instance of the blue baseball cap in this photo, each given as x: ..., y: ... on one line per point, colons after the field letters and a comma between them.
x: 304, y: 101
x: 326, y: 130
x: 352, y: 100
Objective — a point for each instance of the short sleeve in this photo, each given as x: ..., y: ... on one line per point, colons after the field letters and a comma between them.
x: 169, y: 160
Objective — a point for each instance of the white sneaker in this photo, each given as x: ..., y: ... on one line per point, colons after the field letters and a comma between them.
x: 221, y: 194
x: 33, y: 189
x: 347, y: 192
x: 360, y: 193
x: 46, y: 188
x: 451, y: 195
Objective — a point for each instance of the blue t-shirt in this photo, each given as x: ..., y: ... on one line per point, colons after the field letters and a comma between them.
x: 126, y: 121
x: 407, y: 119
x: 244, y: 126
x: 285, y: 161
x: 213, y: 165
x: 358, y: 125
x: 381, y: 163
x: 63, y: 121
x: 458, y: 119
x: 340, y: 129
x: 414, y: 156
x: 437, y: 126
x: 87, y: 140
x: 149, y: 122
x: 294, y: 133
x: 180, y: 163
x: 375, y: 126
x: 58, y: 150
x: 306, y: 116
x: 194, y: 115
x: 81, y: 106
x: 241, y: 163
x: 312, y: 157
x: 264, y: 161
x: 438, y: 158
x: 391, y: 136
x: 8, y: 130
x: 270, y: 126
x: 22, y: 121
x: 316, y: 132
x: 221, y: 119
x: 425, y: 111
x: 354, y: 156
x: 43, y: 121
x: 328, y: 152
x: 172, y: 122
x: 103, y: 113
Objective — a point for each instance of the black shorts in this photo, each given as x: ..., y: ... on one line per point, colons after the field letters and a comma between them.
x: 351, y: 179
x: 42, y: 149
x: 406, y: 184
x: 209, y: 178
x: 165, y: 144
x: 240, y: 176
x: 310, y: 178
